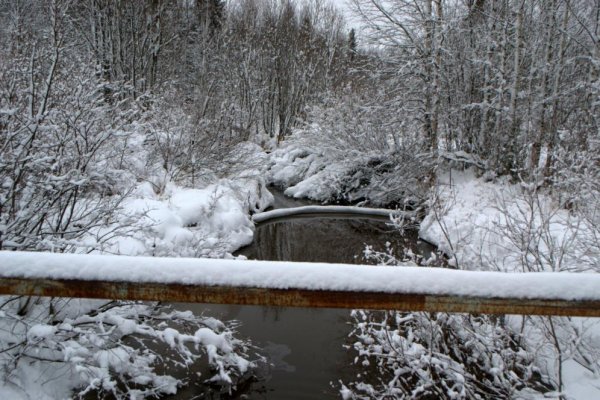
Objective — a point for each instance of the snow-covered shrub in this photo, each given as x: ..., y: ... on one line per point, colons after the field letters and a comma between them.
x: 344, y: 156
x: 190, y: 149
x: 439, y: 356
x: 541, y: 236
x: 577, y: 189
x: 508, y: 227
x: 498, y: 225
x: 58, y: 169
x: 122, y: 349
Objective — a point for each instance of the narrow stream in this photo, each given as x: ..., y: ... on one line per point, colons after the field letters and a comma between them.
x: 304, y: 345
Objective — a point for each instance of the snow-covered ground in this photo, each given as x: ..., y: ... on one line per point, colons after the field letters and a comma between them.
x: 327, y: 173
x: 211, y: 221
x: 508, y: 227
x: 498, y: 226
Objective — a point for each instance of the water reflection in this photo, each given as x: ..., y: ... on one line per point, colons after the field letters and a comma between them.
x: 304, y: 348
x: 333, y: 240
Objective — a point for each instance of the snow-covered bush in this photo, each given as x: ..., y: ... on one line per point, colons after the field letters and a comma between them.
x: 193, y: 150
x: 499, y: 225
x: 510, y: 227
x: 118, y: 349
x: 59, y: 167
x: 439, y: 356
x: 577, y: 189
x: 353, y: 152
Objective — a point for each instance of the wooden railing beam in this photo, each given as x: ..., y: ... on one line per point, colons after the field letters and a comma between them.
x: 171, y: 292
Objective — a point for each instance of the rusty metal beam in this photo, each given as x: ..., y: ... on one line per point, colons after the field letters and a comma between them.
x: 295, y: 297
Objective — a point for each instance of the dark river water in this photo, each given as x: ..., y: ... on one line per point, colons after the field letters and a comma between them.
x: 305, y: 347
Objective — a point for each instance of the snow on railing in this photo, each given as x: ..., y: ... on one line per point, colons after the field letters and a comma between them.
x: 298, y: 284
x: 328, y: 210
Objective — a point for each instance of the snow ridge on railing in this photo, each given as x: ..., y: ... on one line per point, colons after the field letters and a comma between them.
x: 299, y: 284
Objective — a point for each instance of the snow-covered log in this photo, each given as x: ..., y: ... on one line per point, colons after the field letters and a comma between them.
x: 327, y: 210
x: 298, y: 284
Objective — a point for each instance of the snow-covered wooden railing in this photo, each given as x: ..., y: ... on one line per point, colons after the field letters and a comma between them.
x: 298, y: 284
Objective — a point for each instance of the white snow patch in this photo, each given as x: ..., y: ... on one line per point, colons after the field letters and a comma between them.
x: 211, y: 221
x: 40, y: 331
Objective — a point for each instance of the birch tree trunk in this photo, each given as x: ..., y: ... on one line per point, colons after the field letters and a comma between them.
x: 430, y: 115
x: 552, y: 134
x: 516, y: 78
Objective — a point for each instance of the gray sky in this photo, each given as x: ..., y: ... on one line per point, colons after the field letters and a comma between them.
x: 344, y: 7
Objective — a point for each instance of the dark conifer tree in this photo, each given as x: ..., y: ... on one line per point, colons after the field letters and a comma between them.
x: 352, y: 44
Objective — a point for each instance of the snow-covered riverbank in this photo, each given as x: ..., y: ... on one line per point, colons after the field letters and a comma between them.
x: 57, y: 348
x: 485, y: 225
x: 495, y: 225
x: 211, y: 221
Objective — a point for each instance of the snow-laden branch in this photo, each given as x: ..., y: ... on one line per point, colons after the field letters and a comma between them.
x: 327, y: 210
